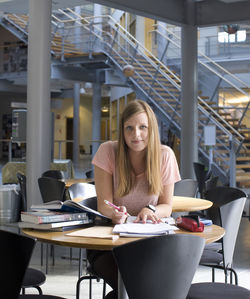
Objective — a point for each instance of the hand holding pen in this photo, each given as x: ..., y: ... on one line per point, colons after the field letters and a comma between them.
x: 115, y: 207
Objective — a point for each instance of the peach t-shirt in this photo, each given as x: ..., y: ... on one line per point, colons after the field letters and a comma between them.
x: 138, y: 197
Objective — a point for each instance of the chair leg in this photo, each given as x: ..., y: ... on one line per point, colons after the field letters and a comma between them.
x: 47, y: 258
x: 213, y: 274
x: 104, y: 289
x: 233, y: 272
x: 80, y: 263
x: 90, y: 289
x: 78, y: 283
x: 41, y: 254
x: 39, y: 290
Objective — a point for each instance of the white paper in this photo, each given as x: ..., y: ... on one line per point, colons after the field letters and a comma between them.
x: 143, y: 228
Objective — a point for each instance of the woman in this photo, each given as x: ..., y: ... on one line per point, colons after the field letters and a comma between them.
x: 137, y: 174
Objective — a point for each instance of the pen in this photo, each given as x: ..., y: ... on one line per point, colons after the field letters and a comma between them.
x: 113, y: 206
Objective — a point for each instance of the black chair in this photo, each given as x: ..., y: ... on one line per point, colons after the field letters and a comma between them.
x: 86, y: 191
x: 201, y: 176
x: 228, y: 204
x: 15, y: 254
x: 214, y: 290
x: 22, y: 183
x: 159, y: 267
x: 51, y: 189
x: 56, y: 174
x: 82, y: 190
x: 33, y: 278
x: 186, y: 187
x: 211, y: 183
x: 89, y: 174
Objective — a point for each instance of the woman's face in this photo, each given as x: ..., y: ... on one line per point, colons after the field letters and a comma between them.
x: 136, y: 132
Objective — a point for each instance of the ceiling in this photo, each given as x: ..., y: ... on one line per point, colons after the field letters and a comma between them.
x: 180, y: 12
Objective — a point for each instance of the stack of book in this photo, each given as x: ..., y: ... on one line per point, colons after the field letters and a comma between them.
x: 53, y: 220
x: 60, y: 216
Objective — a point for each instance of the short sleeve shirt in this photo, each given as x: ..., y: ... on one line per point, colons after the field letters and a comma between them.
x: 138, y: 197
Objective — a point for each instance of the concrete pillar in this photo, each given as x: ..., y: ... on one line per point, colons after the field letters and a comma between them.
x: 189, y: 124
x: 38, y: 97
x: 76, y: 123
x: 140, y: 30
x: 96, y: 117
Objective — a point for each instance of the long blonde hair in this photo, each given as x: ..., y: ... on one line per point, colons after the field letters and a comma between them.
x: 153, y: 151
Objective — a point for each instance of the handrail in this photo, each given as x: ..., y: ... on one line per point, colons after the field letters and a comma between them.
x: 209, y: 59
x: 210, y: 68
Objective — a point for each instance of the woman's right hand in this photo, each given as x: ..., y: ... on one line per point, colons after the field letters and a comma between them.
x: 119, y: 217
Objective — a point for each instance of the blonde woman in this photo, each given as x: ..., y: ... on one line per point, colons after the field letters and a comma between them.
x: 137, y: 174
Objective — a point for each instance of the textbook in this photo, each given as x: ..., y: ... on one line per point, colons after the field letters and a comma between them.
x: 70, y: 206
x: 56, y: 226
x: 51, y: 216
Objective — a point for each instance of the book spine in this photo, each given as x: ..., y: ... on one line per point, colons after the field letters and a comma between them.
x: 57, y: 218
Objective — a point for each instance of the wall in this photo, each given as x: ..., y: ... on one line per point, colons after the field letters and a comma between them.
x: 64, y: 109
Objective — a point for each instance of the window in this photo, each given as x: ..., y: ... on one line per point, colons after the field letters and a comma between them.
x: 239, y: 36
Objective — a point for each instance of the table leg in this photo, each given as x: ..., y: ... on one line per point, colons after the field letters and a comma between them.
x: 122, y: 293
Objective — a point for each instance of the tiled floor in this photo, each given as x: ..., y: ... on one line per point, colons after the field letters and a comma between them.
x: 62, y: 277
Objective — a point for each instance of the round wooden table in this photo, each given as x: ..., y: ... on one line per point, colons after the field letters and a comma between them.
x: 190, y: 204
x: 210, y: 234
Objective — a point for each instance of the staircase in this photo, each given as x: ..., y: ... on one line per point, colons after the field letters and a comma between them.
x: 152, y: 81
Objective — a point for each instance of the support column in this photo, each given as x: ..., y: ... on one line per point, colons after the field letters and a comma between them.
x: 38, y: 97
x: 76, y: 123
x: 96, y: 117
x: 189, y: 124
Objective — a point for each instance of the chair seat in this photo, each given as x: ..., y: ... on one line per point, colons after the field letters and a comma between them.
x: 33, y: 277
x: 217, y: 291
x: 211, y: 257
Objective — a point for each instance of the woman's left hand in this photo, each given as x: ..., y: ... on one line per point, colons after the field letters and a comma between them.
x: 146, y: 214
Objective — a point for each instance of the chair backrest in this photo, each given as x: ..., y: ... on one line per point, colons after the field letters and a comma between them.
x: 89, y: 174
x: 56, y: 174
x: 82, y: 190
x: 186, y: 187
x: 15, y: 253
x: 201, y: 175
x: 227, y: 209
x: 159, y: 267
x: 51, y: 189
x: 211, y: 183
x: 22, y: 182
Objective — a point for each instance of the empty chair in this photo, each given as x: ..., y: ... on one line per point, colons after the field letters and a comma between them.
x: 91, y: 202
x: 201, y: 176
x: 211, y: 183
x: 33, y: 278
x: 186, y: 187
x: 206, y: 290
x: 228, y: 204
x: 22, y: 182
x: 14, y: 258
x: 159, y: 267
x: 51, y: 189
x: 56, y: 174
x: 82, y: 191
x: 89, y: 174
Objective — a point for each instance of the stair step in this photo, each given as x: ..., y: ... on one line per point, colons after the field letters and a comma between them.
x: 239, y: 166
